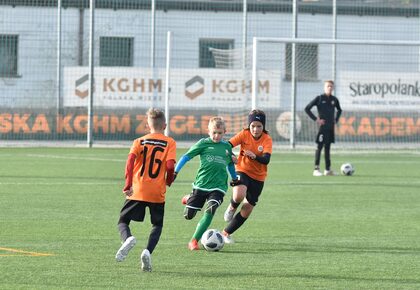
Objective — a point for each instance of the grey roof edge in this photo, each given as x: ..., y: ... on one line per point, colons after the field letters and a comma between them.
x: 344, y: 7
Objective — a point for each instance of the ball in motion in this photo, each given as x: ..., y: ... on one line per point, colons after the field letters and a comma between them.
x: 212, y: 240
x: 347, y: 169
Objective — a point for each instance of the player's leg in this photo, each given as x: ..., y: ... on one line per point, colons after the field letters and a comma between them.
x: 327, y: 145
x: 214, y: 200
x: 238, y: 195
x: 195, y: 202
x: 318, y: 155
x: 255, y: 188
x: 317, y: 171
x: 131, y: 210
x: 124, y: 228
x: 327, y: 156
x: 157, y: 211
x: 212, y: 204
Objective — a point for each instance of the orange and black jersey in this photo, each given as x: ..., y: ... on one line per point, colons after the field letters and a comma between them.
x: 149, y: 173
x: 259, y: 147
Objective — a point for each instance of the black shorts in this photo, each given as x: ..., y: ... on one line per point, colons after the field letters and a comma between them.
x: 325, y: 135
x: 199, y: 197
x: 254, y: 188
x: 135, y: 210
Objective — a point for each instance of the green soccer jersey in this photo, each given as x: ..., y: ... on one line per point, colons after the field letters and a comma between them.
x: 214, y: 158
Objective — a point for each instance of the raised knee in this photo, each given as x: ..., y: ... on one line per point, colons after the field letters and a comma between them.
x: 212, y: 206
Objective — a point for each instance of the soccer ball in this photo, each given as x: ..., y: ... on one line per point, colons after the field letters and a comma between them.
x: 212, y: 240
x: 347, y: 169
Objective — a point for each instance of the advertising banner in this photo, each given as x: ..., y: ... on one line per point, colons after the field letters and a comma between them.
x: 189, y: 125
x: 379, y: 91
x: 190, y: 88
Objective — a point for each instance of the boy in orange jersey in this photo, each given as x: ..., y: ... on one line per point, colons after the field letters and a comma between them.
x: 149, y: 169
x: 255, y: 153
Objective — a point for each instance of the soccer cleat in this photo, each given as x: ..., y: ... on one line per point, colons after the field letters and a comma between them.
x: 329, y: 173
x: 193, y: 245
x: 230, y: 211
x: 185, y: 199
x: 146, y: 261
x: 227, y: 238
x: 122, y: 252
x: 317, y: 172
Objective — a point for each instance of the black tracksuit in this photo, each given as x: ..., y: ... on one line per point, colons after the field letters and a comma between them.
x: 326, y: 105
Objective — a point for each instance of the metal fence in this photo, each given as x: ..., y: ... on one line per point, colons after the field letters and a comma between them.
x: 50, y: 49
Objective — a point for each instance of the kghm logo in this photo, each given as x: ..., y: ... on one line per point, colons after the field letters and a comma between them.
x: 194, y: 87
x: 79, y: 83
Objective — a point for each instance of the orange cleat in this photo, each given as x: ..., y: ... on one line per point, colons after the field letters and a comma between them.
x: 193, y: 245
x: 185, y: 199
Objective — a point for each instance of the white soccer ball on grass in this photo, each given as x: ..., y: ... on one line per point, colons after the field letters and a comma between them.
x: 212, y: 240
x: 347, y: 169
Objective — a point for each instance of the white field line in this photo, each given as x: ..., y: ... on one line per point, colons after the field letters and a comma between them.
x: 411, y: 161
x: 74, y: 157
x: 320, y: 181
x: 59, y: 183
x: 356, y: 161
x: 325, y: 182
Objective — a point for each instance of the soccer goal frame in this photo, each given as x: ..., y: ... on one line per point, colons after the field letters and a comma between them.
x: 257, y: 41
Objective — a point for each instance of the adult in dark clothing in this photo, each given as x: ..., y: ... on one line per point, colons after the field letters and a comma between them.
x: 329, y: 112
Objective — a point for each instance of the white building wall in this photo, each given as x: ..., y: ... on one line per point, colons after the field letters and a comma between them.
x: 37, y: 30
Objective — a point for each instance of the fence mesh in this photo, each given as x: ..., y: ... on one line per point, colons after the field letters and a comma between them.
x: 45, y: 82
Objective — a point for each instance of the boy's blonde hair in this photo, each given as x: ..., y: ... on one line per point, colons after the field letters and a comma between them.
x: 156, y: 118
x: 329, y: 82
x: 217, y: 122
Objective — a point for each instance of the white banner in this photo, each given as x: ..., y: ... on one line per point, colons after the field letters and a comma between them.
x: 190, y: 88
x: 379, y: 91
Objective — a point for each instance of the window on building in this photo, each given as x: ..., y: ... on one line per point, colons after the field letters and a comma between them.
x: 306, y: 61
x: 116, y: 51
x: 8, y: 55
x: 206, y: 56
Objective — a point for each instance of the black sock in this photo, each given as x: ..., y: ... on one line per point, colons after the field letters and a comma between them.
x: 154, y: 238
x: 124, y: 231
x: 235, y: 223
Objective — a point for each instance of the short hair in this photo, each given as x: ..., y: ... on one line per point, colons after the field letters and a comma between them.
x: 329, y: 81
x: 156, y: 118
x: 217, y: 122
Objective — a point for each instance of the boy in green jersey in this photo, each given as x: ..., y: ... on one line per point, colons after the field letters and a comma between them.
x: 210, y: 184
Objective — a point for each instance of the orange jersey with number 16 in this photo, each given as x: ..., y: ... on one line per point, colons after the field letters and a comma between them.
x: 149, y: 174
x: 252, y: 168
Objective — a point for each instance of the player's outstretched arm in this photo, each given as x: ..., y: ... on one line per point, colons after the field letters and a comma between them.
x: 184, y: 159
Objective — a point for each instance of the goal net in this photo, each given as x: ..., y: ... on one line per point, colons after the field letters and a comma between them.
x: 237, y: 58
x: 376, y: 83
x: 238, y: 62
